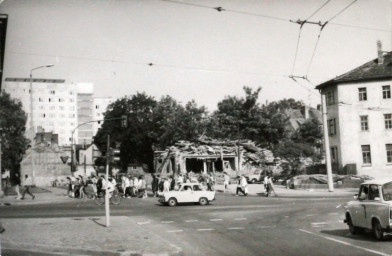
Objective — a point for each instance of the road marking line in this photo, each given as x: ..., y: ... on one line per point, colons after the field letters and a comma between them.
x: 169, y: 221
x: 286, y: 216
x: 236, y: 228
x: 319, y: 223
x: 175, y: 231
x: 240, y: 219
x: 333, y: 213
x: 191, y: 221
x: 143, y: 223
x: 266, y: 226
x: 309, y: 215
x: 205, y: 229
x: 216, y: 219
x: 338, y: 206
x: 345, y: 243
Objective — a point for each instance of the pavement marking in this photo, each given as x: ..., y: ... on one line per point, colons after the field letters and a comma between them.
x: 216, y: 219
x: 205, y: 229
x: 240, y: 219
x: 309, y: 215
x: 319, y: 223
x: 333, y: 213
x: 236, y: 228
x: 266, y: 226
x: 338, y: 206
x: 167, y: 221
x: 175, y: 231
x: 191, y: 221
x: 143, y: 223
x: 286, y: 216
x: 345, y: 243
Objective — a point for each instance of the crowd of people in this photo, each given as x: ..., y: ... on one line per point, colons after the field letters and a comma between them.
x: 136, y: 186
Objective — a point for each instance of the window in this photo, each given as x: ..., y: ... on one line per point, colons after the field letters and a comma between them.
x: 334, y: 154
x: 61, y: 100
x: 42, y: 115
x: 388, y: 121
x: 386, y: 92
x: 366, y: 157
x: 389, y: 153
x: 362, y: 94
x: 96, y: 106
x: 364, y: 123
x: 52, y: 115
x: 61, y: 108
x: 41, y: 107
x: 71, y: 115
x: 52, y: 107
x: 363, y: 193
x: 52, y: 92
x: 71, y: 93
x: 330, y: 97
x: 71, y: 100
x: 332, y: 126
x: 50, y: 99
x: 373, y: 192
x: 72, y: 108
x: 40, y: 100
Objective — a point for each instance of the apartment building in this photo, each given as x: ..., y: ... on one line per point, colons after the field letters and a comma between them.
x: 99, y: 108
x: 359, y: 107
x: 53, y: 105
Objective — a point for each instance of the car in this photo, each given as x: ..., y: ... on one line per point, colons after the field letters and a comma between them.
x: 187, y: 193
x: 371, y: 209
x: 256, y: 177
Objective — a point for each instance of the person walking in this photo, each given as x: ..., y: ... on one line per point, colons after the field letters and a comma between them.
x: 82, y: 184
x: 28, y: 183
x: 242, y: 186
x: 143, y: 187
x: 154, y: 185
x: 226, y: 181
x: 17, y: 182
x: 166, y: 185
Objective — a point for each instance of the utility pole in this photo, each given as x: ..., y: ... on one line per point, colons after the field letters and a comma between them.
x: 326, y: 144
x: 1, y: 177
x: 107, y: 209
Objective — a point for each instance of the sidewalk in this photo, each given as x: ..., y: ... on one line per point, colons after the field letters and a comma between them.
x: 281, y: 191
x: 46, y: 195
x: 84, y: 236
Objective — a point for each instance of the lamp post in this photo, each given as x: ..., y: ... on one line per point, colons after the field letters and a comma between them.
x: 32, y: 119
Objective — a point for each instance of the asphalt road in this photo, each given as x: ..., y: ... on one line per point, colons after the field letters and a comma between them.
x: 233, y: 225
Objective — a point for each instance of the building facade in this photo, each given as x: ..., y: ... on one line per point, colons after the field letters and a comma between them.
x: 359, y: 107
x: 99, y: 108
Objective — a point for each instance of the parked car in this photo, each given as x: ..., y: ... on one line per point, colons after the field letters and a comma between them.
x: 371, y: 209
x: 187, y: 193
x: 256, y: 177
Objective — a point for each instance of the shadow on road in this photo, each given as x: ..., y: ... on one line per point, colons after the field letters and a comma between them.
x: 364, y: 236
x: 95, y: 220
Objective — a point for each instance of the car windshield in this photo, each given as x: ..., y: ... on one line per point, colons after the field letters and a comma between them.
x: 387, y: 191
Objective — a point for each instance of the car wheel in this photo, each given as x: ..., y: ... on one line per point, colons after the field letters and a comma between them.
x: 377, y: 230
x: 353, y: 229
x: 172, y: 201
x: 253, y: 181
x: 203, y: 201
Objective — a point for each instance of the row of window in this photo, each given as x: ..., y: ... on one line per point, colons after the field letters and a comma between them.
x: 362, y: 94
x: 364, y: 122
x: 43, y: 115
x: 40, y: 99
x: 59, y: 108
x: 366, y: 154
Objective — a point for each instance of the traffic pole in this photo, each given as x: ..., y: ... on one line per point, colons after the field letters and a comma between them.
x: 326, y: 144
x: 107, y: 210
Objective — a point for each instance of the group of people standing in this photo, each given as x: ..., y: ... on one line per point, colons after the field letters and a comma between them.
x: 133, y: 186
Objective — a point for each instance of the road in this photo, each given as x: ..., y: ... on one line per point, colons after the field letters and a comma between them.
x: 233, y: 225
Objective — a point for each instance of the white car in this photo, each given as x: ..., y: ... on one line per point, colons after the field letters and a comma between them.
x: 187, y: 193
x: 371, y: 209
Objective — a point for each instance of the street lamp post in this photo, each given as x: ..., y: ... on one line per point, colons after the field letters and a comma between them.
x: 32, y: 119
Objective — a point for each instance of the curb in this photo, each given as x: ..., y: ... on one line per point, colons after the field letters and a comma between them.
x: 40, y: 248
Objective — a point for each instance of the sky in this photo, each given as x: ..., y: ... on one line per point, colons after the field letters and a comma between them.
x: 188, y: 50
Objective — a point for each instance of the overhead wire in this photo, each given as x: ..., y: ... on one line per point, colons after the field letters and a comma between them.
x: 296, y: 49
x: 345, y: 8
x: 321, y: 7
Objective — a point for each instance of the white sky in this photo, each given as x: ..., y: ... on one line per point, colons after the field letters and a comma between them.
x: 199, y: 53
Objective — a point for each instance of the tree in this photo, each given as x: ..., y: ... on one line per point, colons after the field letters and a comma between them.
x: 13, y: 124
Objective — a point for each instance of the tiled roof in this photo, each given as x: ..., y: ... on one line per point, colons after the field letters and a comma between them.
x: 370, y: 71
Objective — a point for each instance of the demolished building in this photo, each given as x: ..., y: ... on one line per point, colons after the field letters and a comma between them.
x: 207, y: 155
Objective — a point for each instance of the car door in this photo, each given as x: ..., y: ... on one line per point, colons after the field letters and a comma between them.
x: 198, y: 192
x: 374, y: 206
x: 186, y: 194
x: 359, y: 207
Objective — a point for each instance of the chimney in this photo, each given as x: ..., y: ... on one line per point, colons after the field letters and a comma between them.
x: 380, y: 57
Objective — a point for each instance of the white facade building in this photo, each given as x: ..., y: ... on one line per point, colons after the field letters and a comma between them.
x: 99, y: 108
x: 359, y: 107
x: 54, y: 104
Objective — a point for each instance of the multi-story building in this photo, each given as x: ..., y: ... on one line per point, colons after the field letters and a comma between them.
x: 359, y: 107
x: 53, y: 107
x: 85, y: 105
x: 100, y: 106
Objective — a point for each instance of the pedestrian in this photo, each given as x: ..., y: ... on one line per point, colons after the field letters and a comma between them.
x: 242, y: 186
x: 82, y: 187
x: 271, y: 188
x: 131, y: 186
x: 69, y: 186
x: 28, y: 183
x: 172, y: 183
x: 17, y: 182
x: 2, y: 229
x: 226, y: 181
x: 180, y: 179
x: 154, y: 185
x: 143, y: 186
x: 166, y: 185
x: 77, y: 187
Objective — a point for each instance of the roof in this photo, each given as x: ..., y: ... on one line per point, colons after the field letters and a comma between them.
x: 378, y: 181
x: 370, y: 71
